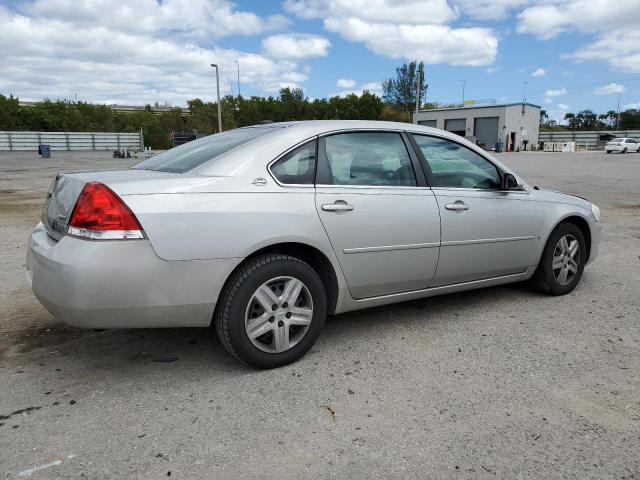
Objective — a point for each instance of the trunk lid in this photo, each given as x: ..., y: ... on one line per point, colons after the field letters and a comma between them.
x: 66, y: 188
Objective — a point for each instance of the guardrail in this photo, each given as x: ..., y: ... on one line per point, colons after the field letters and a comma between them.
x: 593, y: 140
x: 25, y: 141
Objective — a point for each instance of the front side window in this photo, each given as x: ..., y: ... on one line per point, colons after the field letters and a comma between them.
x: 297, y: 167
x: 455, y: 166
x: 369, y: 158
x: 193, y: 154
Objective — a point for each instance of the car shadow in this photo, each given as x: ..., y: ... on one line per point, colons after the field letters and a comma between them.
x: 198, y: 349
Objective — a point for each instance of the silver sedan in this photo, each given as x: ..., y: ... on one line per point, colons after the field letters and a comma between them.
x: 261, y: 232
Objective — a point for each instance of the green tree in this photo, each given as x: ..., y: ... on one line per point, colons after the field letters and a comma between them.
x: 400, y: 92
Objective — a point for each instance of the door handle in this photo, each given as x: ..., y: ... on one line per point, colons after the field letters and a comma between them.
x: 458, y: 206
x: 337, y: 207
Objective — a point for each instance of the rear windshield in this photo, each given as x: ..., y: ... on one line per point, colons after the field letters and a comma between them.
x: 193, y: 154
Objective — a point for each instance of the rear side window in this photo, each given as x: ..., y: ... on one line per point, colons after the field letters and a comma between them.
x: 369, y: 158
x: 297, y: 167
x: 193, y: 154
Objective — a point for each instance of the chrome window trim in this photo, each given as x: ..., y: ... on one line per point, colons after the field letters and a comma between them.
x: 520, y: 191
x: 287, y: 152
x: 362, y: 187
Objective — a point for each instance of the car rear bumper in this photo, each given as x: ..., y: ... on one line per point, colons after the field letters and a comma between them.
x: 121, y: 284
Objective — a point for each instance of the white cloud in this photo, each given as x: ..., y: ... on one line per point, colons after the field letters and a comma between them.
x: 555, y: 93
x: 539, y: 72
x: 620, y: 48
x: 376, y: 11
x: 296, y: 46
x: 84, y: 49
x: 410, y: 29
x: 345, y: 83
x: 616, y: 27
x: 549, y: 20
x: 432, y: 44
x: 563, y: 107
x: 488, y: 9
x: 371, y: 87
x: 634, y: 106
x: 199, y: 18
x: 610, y: 89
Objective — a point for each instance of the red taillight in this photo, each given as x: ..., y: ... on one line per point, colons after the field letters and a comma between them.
x: 100, y: 214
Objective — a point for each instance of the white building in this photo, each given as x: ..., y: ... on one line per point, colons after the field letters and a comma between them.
x: 511, y: 124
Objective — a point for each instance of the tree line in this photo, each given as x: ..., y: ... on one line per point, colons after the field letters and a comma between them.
x: 589, y: 120
x: 396, y: 104
x: 290, y: 104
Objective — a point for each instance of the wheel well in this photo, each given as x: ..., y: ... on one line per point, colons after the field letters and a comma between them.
x: 582, y: 224
x: 316, y: 259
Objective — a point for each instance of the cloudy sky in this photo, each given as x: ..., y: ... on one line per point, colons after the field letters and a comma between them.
x: 573, y: 54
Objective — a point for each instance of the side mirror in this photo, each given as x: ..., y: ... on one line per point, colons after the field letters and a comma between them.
x: 509, y: 182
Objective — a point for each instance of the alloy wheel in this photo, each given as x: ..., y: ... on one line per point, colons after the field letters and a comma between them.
x: 566, y: 259
x: 279, y: 314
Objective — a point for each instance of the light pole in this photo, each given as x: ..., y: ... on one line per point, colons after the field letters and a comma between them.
x: 218, y: 92
x: 238, y: 65
x: 618, y: 116
x: 415, y: 119
x: 464, y: 82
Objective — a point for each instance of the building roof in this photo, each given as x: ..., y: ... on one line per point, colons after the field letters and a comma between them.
x: 473, y: 107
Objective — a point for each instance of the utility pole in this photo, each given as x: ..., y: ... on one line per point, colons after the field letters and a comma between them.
x: 524, y: 92
x: 415, y: 118
x: 218, y: 92
x: 618, y: 116
x: 238, y: 65
x: 464, y: 83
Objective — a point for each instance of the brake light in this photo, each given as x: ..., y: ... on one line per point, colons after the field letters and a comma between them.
x: 99, y: 214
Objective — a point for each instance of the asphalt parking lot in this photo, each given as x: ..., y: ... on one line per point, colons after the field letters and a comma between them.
x: 494, y: 383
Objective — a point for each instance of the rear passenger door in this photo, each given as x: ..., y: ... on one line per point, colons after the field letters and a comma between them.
x: 381, y: 218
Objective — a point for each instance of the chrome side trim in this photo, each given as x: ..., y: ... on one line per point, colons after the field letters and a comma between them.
x: 454, y: 243
x: 387, y: 248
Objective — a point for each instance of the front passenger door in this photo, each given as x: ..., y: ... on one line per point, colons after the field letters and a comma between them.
x: 486, y: 232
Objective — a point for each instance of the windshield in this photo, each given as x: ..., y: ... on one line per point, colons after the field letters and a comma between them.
x: 193, y: 154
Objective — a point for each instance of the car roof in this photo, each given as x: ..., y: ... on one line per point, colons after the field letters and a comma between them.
x: 318, y: 127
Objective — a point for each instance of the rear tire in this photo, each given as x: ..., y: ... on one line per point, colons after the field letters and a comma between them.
x: 608, y: 151
x: 271, y: 311
x: 624, y: 150
x: 562, y: 262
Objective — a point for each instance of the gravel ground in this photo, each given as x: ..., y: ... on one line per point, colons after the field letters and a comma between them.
x: 494, y: 383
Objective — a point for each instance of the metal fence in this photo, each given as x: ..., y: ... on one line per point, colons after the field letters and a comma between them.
x: 594, y: 140
x: 16, y: 141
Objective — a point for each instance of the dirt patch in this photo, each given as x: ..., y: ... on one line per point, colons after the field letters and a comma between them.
x: 20, y: 201
x: 628, y: 206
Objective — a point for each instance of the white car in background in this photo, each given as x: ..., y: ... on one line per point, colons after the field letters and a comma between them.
x: 622, y: 145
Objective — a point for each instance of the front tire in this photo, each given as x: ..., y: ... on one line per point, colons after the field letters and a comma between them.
x: 271, y: 311
x: 624, y: 150
x: 608, y: 151
x: 562, y: 262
